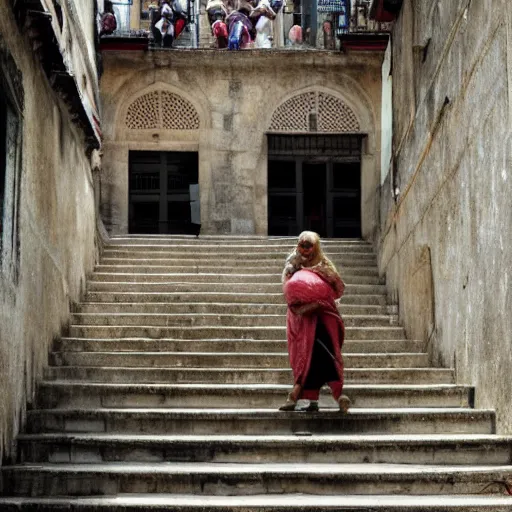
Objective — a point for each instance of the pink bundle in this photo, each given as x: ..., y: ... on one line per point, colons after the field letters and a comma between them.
x: 306, y: 286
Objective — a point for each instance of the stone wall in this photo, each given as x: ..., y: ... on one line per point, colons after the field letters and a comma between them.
x: 446, y: 239
x: 56, y: 230
x: 234, y: 95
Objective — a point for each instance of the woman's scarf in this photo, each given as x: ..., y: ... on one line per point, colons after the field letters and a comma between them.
x: 306, y: 286
x: 312, y: 280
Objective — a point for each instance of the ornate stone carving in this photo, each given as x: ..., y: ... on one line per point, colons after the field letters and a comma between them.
x: 314, y: 111
x: 144, y: 112
x: 162, y: 110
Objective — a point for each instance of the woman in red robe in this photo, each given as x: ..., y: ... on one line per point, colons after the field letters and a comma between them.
x: 315, y: 329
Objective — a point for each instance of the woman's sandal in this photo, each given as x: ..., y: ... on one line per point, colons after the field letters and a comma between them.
x: 344, y: 403
x: 289, y: 405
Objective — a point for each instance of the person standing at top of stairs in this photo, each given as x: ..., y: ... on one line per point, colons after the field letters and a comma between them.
x: 314, y: 326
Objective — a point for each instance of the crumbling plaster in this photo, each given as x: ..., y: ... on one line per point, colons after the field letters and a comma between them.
x: 235, y: 94
x: 57, y: 237
x: 446, y: 239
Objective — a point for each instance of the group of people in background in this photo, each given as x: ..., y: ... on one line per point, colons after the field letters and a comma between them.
x: 237, y: 24
x: 168, y: 22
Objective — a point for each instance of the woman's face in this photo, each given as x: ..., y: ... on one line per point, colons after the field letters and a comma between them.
x: 306, y: 249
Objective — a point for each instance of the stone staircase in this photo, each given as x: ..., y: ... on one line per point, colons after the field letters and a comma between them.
x: 164, y: 396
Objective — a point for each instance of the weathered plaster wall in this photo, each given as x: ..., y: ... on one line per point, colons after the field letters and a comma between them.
x: 446, y: 243
x: 235, y: 94
x: 76, y: 37
x: 57, y: 237
x: 85, y: 22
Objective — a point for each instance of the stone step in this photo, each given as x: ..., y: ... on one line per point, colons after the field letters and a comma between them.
x: 74, y: 394
x: 219, y: 297
x: 243, y: 375
x: 344, y: 264
x: 220, y: 345
x: 227, y: 320
x: 228, y: 255
x: 191, y: 287
x: 216, y: 308
x: 214, y: 279
x: 183, y: 268
x: 177, y: 240
x: 424, y: 449
x: 262, y: 421
x: 218, y: 332
x: 173, y: 372
x: 263, y: 503
x: 254, y: 248
x: 223, y: 360
x: 243, y: 479
x: 226, y: 240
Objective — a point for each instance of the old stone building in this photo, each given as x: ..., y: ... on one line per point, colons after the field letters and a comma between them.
x: 48, y: 129
x: 446, y: 218
x: 276, y: 142
x: 242, y: 117
x: 143, y: 366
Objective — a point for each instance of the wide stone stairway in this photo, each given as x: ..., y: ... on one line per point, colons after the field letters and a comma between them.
x: 164, y: 396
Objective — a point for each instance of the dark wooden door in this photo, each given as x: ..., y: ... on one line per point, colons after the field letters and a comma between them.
x: 314, y: 183
x: 344, y: 199
x: 285, y: 196
x: 159, y: 197
x: 314, y: 179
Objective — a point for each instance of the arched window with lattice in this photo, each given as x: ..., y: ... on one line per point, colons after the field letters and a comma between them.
x: 163, y: 110
x: 314, y: 112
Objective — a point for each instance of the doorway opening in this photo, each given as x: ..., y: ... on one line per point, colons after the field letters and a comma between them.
x: 159, y: 191
x: 314, y: 183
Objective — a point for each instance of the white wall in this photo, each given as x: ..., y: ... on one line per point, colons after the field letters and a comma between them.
x: 386, y: 115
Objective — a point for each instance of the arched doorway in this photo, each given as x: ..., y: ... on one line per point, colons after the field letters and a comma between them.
x: 163, y: 189
x: 314, y: 167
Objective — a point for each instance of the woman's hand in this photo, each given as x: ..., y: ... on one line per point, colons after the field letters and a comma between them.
x: 305, y: 309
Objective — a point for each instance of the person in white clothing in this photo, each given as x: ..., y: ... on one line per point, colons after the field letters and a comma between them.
x: 164, y: 27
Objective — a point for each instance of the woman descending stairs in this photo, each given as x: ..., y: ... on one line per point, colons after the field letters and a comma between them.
x: 164, y: 395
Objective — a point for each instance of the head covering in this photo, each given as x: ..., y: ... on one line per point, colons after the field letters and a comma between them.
x: 317, y: 253
x: 318, y: 262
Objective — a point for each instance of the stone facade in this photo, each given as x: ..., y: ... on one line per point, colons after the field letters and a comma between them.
x: 222, y: 104
x: 49, y: 221
x: 446, y: 223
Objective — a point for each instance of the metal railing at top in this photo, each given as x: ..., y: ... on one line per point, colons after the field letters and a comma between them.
x: 360, y: 19
x: 321, y: 23
x: 351, y: 16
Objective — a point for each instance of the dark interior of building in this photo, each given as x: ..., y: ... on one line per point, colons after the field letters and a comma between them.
x: 159, y: 191
x: 315, y: 185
